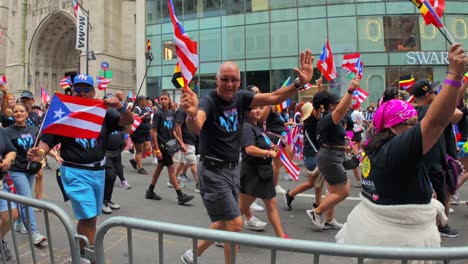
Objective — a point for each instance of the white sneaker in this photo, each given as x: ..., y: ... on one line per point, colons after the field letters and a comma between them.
x: 169, y: 184
x: 451, y: 211
x: 455, y: 198
x: 106, y: 208
x: 255, y: 207
x: 279, y: 189
x: 113, y: 206
x: 316, y: 219
x: 155, y: 161
x: 187, y: 257
x: 333, y: 224
x: 19, y: 227
x: 254, y: 224
x: 38, y: 239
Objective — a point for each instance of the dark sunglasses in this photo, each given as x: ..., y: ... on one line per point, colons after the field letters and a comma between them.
x: 226, y: 80
x: 83, y: 89
x: 411, y: 124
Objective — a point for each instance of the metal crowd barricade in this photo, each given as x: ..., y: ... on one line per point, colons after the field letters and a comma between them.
x: 47, y: 207
x: 274, y: 244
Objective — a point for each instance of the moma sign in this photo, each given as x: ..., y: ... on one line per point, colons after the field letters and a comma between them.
x: 427, y: 58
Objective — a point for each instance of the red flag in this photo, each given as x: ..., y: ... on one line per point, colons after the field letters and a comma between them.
x: 102, y: 82
x: 3, y: 80
x: 360, y: 95
x: 76, y: 117
x: 186, y: 49
x: 429, y: 14
x: 44, y: 96
x: 439, y: 6
x: 290, y: 167
x: 326, y: 64
x: 136, y: 123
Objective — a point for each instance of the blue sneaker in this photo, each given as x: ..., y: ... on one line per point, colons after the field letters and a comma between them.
x: 183, y: 178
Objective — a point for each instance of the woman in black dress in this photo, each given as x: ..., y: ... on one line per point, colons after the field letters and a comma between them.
x: 257, y: 174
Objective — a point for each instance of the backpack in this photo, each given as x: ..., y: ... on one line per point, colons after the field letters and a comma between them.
x: 454, y: 169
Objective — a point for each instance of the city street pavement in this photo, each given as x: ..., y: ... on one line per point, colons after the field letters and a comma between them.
x: 295, y: 223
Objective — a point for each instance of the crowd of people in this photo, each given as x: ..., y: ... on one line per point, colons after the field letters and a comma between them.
x: 231, y: 141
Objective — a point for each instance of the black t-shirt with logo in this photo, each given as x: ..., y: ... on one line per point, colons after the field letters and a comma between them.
x: 395, y: 174
x: 253, y: 136
x: 163, y: 121
x: 222, y: 130
x: 331, y: 134
x: 86, y: 150
x: 145, y: 125
x: 275, y: 123
x: 187, y: 137
x: 22, y: 138
x: 33, y: 119
x: 5, y: 144
x: 310, y: 125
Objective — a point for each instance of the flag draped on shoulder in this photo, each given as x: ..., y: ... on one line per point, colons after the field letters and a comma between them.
x: 186, y: 49
x: 326, y: 64
x: 76, y: 117
x: 429, y: 14
x: 44, y: 96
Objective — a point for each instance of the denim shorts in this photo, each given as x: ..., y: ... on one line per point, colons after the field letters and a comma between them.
x: 85, y: 188
x: 4, y: 203
x: 220, y: 192
x: 310, y: 158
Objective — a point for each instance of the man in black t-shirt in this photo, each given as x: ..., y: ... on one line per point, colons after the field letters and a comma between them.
x: 162, y: 132
x: 186, y: 156
x: 434, y: 160
x: 141, y: 138
x: 82, y: 170
x: 218, y: 119
x: 27, y: 99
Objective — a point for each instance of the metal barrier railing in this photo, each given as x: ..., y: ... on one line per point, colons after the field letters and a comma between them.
x: 47, y: 207
x: 274, y: 244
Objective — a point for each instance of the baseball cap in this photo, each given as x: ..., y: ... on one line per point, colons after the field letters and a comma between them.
x: 27, y: 94
x: 421, y: 87
x: 333, y: 98
x: 143, y: 97
x: 83, y: 78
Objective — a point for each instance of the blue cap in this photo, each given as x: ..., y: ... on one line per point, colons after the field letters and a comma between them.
x: 83, y: 78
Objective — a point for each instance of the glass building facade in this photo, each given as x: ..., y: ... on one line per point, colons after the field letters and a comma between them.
x: 264, y: 37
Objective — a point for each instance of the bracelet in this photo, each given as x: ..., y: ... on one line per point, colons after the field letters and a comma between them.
x: 350, y: 91
x: 157, y: 151
x: 192, y: 117
x: 457, y: 75
x: 42, y: 153
x: 454, y: 83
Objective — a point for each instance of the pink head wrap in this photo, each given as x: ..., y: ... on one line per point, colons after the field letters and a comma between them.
x: 392, y: 113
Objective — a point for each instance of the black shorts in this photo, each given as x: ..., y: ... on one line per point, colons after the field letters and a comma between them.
x: 166, y: 159
x: 140, y: 137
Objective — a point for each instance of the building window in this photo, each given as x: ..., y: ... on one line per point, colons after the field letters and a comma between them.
x: 393, y: 73
x: 401, y: 33
x: 169, y: 51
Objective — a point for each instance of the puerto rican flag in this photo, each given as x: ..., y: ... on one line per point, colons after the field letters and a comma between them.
x: 65, y: 82
x: 3, y: 80
x: 326, y: 64
x: 186, y: 49
x: 352, y: 63
x: 360, y: 95
x: 136, y: 123
x: 44, y: 96
x: 102, y: 82
x: 290, y: 167
x: 75, y: 117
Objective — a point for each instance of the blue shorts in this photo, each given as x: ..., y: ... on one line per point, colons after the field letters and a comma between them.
x: 85, y: 188
x: 4, y: 203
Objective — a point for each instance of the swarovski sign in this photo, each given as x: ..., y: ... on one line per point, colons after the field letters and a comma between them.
x: 81, y: 30
x: 427, y: 58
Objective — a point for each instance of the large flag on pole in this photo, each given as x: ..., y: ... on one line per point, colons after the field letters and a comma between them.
x: 326, y: 64
x: 76, y: 117
x: 186, y: 49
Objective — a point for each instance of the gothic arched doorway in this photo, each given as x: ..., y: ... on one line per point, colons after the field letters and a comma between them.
x: 52, y: 52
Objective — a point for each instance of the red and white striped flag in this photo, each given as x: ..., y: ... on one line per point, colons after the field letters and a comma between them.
x: 44, y: 96
x: 326, y: 64
x: 290, y: 167
x: 186, y: 49
x: 360, y: 95
x: 65, y: 82
x: 76, y: 7
x: 76, y: 117
x: 136, y: 123
x: 102, y: 82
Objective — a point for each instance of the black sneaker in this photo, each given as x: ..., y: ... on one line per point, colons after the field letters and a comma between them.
x: 5, y: 250
x: 133, y: 163
x: 142, y: 171
x: 152, y: 195
x: 447, y: 231
x: 184, y: 198
x: 288, y: 200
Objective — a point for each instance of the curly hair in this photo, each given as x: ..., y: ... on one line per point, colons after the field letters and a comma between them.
x: 376, y: 141
x: 321, y: 98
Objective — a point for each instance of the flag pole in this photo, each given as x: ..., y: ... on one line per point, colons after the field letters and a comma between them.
x: 36, y: 141
x: 149, y: 56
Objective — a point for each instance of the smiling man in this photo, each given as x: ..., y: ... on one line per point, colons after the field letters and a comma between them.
x: 218, y: 119
x: 82, y: 170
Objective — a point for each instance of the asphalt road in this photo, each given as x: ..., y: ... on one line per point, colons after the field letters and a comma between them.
x: 295, y: 223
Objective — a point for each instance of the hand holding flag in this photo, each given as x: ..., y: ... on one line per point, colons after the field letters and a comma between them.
x: 3, y: 80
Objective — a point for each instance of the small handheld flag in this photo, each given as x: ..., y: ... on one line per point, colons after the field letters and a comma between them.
x: 326, y: 64
x: 286, y: 103
x: 406, y: 82
x: 432, y: 16
x: 148, y: 45
x: 65, y: 82
x: 44, y: 96
x: 3, y: 80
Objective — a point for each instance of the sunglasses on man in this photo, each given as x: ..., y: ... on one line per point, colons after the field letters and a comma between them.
x: 83, y: 89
